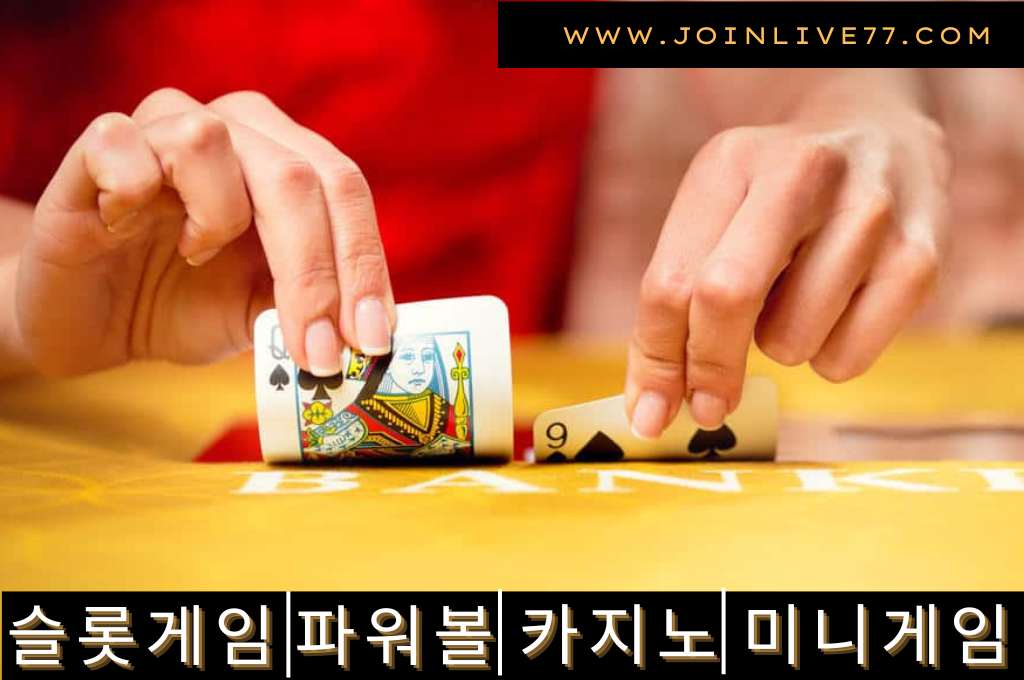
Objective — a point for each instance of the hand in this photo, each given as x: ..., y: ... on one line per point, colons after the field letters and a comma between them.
x: 818, y: 238
x: 162, y: 236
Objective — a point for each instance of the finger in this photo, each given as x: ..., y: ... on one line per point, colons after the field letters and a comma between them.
x: 708, y: 196
x: 64, y: 275
x: 108, y: 174
x: 291, y: 218
x: 778, y: 213
x: 817, y: 286
x: 199, y: 161
x: 896, y: 286
x: 367, y: 312
x: 294, y: 228
x: 195, y: 151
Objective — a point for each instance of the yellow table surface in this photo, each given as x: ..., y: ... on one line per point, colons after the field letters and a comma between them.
x: 98, y: 491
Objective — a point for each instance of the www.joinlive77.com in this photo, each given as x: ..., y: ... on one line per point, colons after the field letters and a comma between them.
x: 817, y: 36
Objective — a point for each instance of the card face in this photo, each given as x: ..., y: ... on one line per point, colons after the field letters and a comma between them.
x: 444, y: 391
x: 598, y: 431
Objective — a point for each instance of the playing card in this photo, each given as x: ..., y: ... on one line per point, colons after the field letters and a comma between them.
x: 445, y: 390
x: 598, y: 431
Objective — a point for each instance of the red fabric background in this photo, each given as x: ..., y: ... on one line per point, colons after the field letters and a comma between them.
x: 474, y: 169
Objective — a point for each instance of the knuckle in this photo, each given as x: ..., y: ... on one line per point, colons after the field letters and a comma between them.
x: 941, y: 155
x: 345, y: 180
x: 167, y: 94
x: 703, y: 368
x: 110, y: 128
x: 315, y: 276
x: 881, y: 204
x: 650, y: 367
x: 202, y: 130
x: 879, y: 211
x: 730, y: 145
x: 295, y: 175
x: 249, y: 98
x: 778, y: 346
x: 921, y: 263
x: 725, y: 286
x: 367, y: 270
x: 165, y: 97
x: 817, y: 158
x: 135, y: 182
x: 934, y: 131
x: 666, y: 288
x: 360, y: 251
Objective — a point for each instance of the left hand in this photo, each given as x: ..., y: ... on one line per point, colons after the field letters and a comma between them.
x: 818, y: 237
x: 163, y: 234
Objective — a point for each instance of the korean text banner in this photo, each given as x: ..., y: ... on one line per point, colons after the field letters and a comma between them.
x: 510, y: 634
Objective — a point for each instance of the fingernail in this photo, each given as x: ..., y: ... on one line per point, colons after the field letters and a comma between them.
x: 373, y: 330
x: 707, y: 409
x: 202, y: 257
x: 119, y: 226
x: 323, y: 351
x: 649, y: 416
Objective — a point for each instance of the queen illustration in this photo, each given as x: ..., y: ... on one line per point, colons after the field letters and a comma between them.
x: 420, y: 405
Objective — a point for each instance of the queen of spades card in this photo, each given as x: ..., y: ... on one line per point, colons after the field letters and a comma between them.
x: 417, y: 401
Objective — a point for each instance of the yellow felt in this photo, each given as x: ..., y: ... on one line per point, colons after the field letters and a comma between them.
x: 97, y: 491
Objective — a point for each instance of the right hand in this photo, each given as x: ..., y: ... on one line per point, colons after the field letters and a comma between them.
x: 162, y: 236
x: 817, y: 237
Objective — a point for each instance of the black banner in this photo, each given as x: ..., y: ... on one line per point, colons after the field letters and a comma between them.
x: 752, y: 34
x: 510, y: 634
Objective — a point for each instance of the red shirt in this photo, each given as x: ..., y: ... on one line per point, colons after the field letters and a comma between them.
x: 474, y: 170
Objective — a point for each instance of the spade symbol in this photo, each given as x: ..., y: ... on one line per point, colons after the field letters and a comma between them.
x: 712, y: 441
x: 600, y: 448
x: 308, y: 381
x: 279, y: 378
